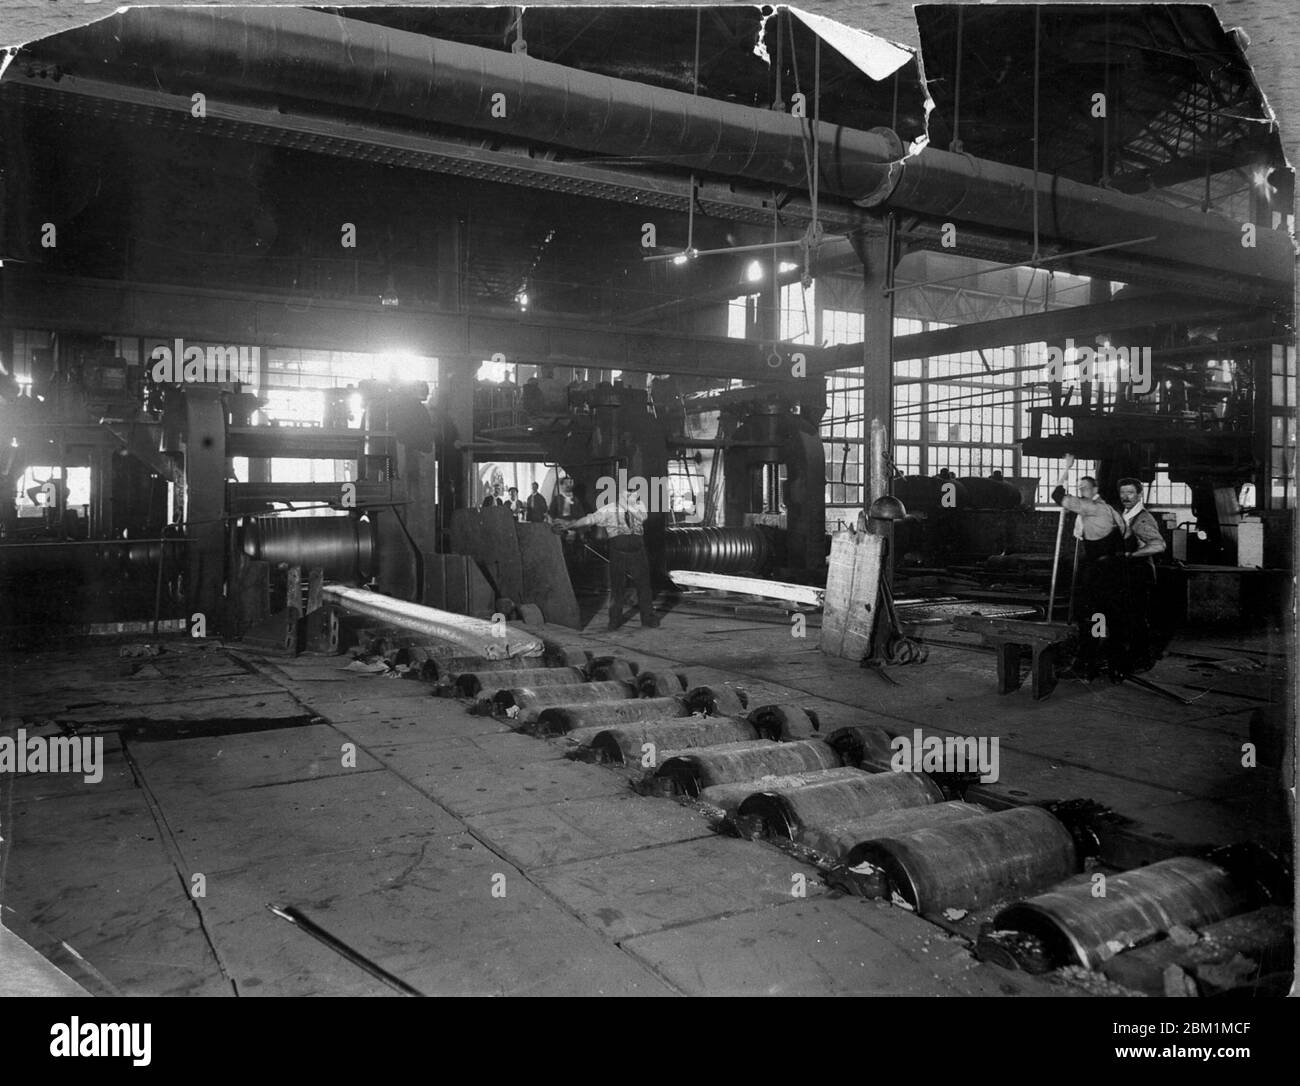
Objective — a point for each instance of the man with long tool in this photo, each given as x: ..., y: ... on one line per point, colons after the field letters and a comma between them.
x: 624, y: 522
x: 1088, y: 492
x: 1142, y: 542
x: 1099, y: 605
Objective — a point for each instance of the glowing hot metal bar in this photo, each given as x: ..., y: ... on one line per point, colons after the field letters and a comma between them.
x: 474, y: 636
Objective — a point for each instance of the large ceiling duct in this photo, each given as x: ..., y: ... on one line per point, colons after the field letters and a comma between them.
x: 987, y: 194
x: 319, y: 58
x: 363, y: 72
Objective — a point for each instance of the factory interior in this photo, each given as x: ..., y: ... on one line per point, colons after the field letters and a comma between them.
x: 605, y: 501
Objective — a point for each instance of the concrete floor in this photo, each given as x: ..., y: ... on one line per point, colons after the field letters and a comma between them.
x: 467, y: 859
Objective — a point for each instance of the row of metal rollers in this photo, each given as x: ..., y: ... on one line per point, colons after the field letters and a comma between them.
x: 912, y: 837
x: 885, y: 834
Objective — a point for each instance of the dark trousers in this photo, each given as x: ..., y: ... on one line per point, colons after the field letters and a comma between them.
x: 1100, y: 595
x: 628, y: 558
x: 1140, y: 576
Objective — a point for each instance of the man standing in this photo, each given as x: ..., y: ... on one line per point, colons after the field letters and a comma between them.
x: 1100, y: 587
x: 515, y: 506
x: 536, y: 507
x: 624, y: 522
x: 1141, y: 543
x: 1087, y: 492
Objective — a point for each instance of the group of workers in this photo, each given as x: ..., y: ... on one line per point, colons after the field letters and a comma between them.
x: 534, y: 510
x: 1115, y: 579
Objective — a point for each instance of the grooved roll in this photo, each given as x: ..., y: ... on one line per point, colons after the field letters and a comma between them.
x: 974, y: 861
x: 719, y: 550
x: 344, y: 547
x: 1077, y: 927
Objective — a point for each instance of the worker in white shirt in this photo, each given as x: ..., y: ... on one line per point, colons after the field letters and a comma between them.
x: 624, y: 522
x: 1087, y: 492
x: 1100, y: 587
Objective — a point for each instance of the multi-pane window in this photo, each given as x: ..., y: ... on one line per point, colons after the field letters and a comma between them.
x: 1166, y: 494
x: 1282, y: 428
x: 798, y: 313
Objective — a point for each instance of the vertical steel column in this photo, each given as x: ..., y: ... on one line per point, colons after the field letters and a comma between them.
x: 877, y: 354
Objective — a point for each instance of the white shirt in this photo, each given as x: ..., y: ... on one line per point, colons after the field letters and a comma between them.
x: 617, y: 518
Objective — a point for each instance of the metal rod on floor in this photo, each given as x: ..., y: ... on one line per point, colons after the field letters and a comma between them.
x: 291, y: 914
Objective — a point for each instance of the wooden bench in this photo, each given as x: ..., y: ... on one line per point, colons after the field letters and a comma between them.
x: 1009, y: 636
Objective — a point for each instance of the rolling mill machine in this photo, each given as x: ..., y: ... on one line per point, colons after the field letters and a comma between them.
x: 171, y: 533
x: 764, y: 502
x: 164, y: 531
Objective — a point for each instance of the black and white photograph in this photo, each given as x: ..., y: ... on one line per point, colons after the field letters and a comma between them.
x: 720, y: 500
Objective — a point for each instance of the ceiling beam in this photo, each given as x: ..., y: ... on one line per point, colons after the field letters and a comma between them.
x: 32, y: 299
x: 1077, y: 322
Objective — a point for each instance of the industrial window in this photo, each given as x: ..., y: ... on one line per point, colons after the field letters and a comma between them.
x: 1048, y: 470
x: 1162, y: 492
x: 967, y: 405
x: 75, y: 480
x: 842, y: 427
x: 798, y: 313
x: 1282, y: 428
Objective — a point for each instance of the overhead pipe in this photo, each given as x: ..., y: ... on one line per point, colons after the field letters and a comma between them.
x: 966, y: 189
x: 354, y: 65
x: 363, y: 66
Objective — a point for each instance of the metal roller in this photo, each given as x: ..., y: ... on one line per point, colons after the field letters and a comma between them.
x: 448, y: 668
x: 90, y: 557
x: 489, y: 682
x: 730, y: 796
x: 689, y: 773
x: 716, y: 700
x: 624, y: 744
x: 559, y: 719
x: 840, y: 839
x: 530, y: 701
x: 829, y: 799
x: 974, y: 862
x: 344, y: 547
x: 718, y: 550
x: 660, y: 684
x: 784, y: 722
x: 866, y: 746
x: 583, y: 736
x: 1077, y: 927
